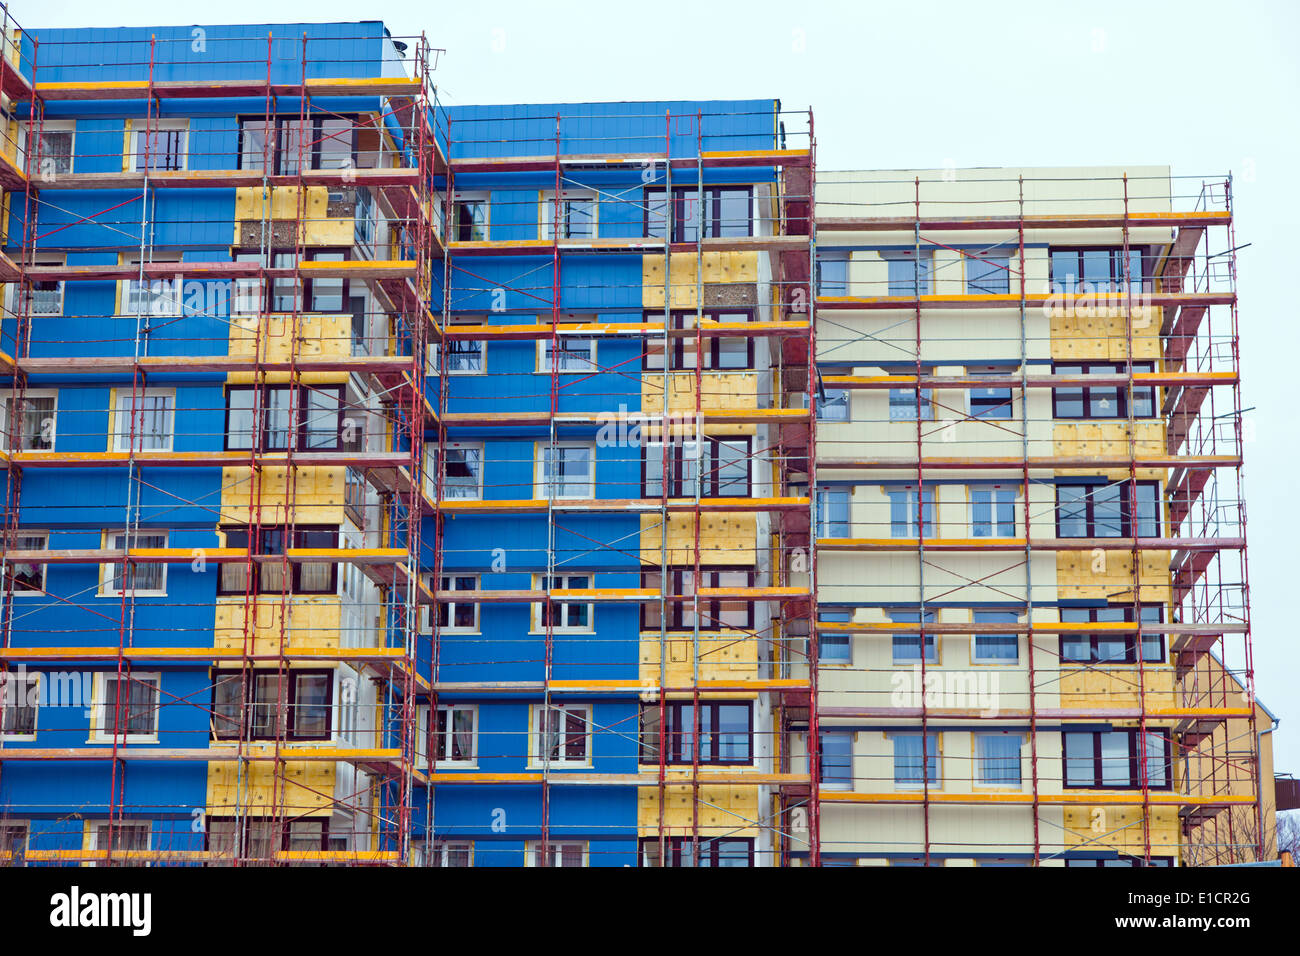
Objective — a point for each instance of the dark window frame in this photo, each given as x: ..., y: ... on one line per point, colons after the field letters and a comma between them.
x: 709, y: 227
x: 710, y: 608
x: 282, y: 126
x: 301, y: 430
x: 306, y: 295
x: 1126, y: 518
x: 1095, y: 658
x: 1116, y: 265
x: 681, y: 735
x: 711, y: 355
x: 289, y: 717
x: 1134, y: 781
x: 268, y: 546
x: 711, y: 486
x: 1141, y: 396
x: 679, y: 849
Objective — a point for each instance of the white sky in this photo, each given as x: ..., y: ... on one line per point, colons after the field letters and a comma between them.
x: 1204, y: 87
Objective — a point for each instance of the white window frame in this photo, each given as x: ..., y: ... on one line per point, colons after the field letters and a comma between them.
x: 101, y: 722
x: 538, y: 627
x: 9, y: 688
x: 44, y: 537
x: 426, y: 721
x: 532, y: 846
x: 429, y: 614
x: 423, y: 851
x: 47, y: 126
x: 542, y: 489
x: 6, y: 404
x: 120, y: 439
x: 463, y: 446
x: 544, y: 355
x: 26, y: 827
x: 158, y: 125
x: 978, y: 760
x: 14, y: 290
x: 92, y: 837
x: 536, y: 739
x: 168, y: 298
x: 546, y: 211
x: 106, y: 588
x: 472, y: 195
x: 482, y: 348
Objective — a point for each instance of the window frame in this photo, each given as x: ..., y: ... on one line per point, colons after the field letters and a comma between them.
x: 1134, y: 780
x: 681, y: 738
x: 1095, y: 640
x: 544, y: 353
x: 681, y: 849
x: 710, y: 226
x: 981, y: 760
x: 1116, y: 267
x: 835, y: 783
x: 711, y: 609
x: 929, y: 648
x: 1142, y: 395
x: 282, y: 126
x: 678, y: 481
x: 682, y: 320
x: 926, y: 761
x: 564, y: 737
x: 31, y: 691
x: 928, y: 523
x: 6, y: 411
x: 995, y: 523
x: 467, y: 197
x: 546, y: 213
x: 975, y: 656
x: 450, y: 578
x: 94, y: 827
x: 1001, y: 269
x: 102, y: 710
x: 265, y: 547
x: 20, y: 589
x: 119, y: 440
x: 286, y: 717
x: 542, y: 489
x: 538, y: 614
x: 1126, y: 522
x: 108, y: 573
x: 156, y: 126
x: 554, y: 851
x: 300, y: 431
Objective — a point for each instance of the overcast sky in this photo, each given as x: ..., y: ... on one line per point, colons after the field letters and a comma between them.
x: 1205, y: 87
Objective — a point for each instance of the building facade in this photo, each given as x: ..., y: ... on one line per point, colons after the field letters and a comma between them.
x: 390, y: 483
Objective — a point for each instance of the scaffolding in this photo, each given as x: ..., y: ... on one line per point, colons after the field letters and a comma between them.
x: 327, y: 396
x: 966, y: 310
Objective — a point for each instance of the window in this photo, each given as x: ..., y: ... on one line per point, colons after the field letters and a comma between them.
x: 833, y: 513
x: 833, y: 405
x: 39, y: 416
x: 462, y: 475
x: 1113, y: 647
x: 908, y: 763
x: 470, y: 217
x: 255, y: 699
x: 908, y: 274
x: 159, y: 144
x: 907, y: 647
x: 1120, y: 861
x: 576, y: 355
x: 144, y: 295
x: 329, y: 143
x: 1104, y: 510
x: 1102, y: 269
x: 457, y: 616
x: 19, y: 699
x: 305, y: 292
x: 43, y: 297
x: 557, y: 854
x: 1102, y: 401
x: 835, y: 648
x: 833, y: 273
x: 993, y: 511
x: 304, y: 577
x: 261, y: 839
x: 121, y: 836
x: 682, y: 851
x: 145, y: 580
x: 997, y: 759
x: 28, y: 577
x: 578, y: 211
x: 308, y: 417
x: 723, y: 462
x: 563, y: 615
x: 13, y: 842
x: 725, y: 211
x: 903, y: 512
x: 726, y: 733
x: 988, y: 274
x: 1103, y: 760
x: 127, y: 707
x: 715, y: 613
x: 723, y: 353
x: 455, y: 733
x: 444, y: 853
x: 904, y: 406
x: 562, y: 734
x: 153, y: 424
x: 996, y: 648
x: 54, y: 156
x: 990, y: 403
x: 837, y: 760
x: 566, y: 470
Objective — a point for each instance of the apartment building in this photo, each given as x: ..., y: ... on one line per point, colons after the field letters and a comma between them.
x: 390, y: 483
x: 1030, y: 539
